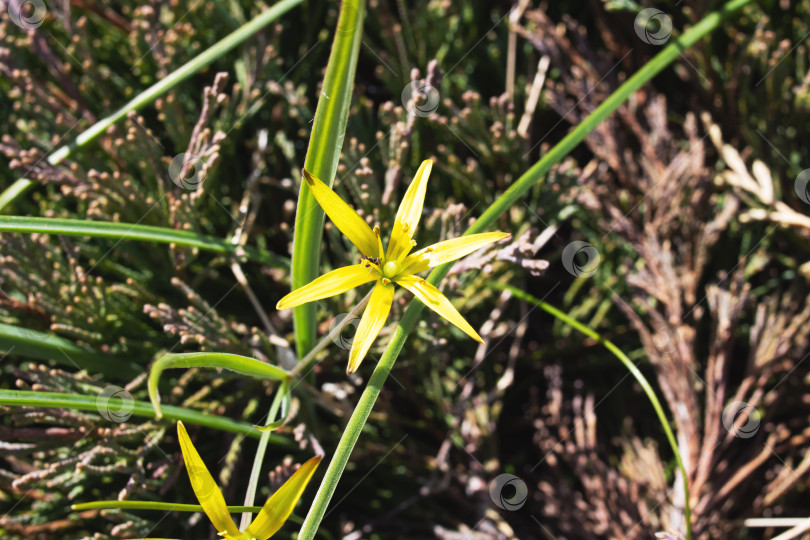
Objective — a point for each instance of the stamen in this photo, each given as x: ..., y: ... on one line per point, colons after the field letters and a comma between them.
x: 372, y: 267
x: 386, y: 281
x: 380, y: 252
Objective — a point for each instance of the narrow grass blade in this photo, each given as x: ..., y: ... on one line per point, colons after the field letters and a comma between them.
x: 233, y: 362
x: 152, y: 505
x: 27, y: 398
x: 323, y: 153
x: 131, y: 231
x: 364, y: 406
x: 155, y: 91
x: 44, y: 346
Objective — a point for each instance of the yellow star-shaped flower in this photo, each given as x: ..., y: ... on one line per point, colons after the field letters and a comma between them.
x: 272, y: 515
x: 393, y: 265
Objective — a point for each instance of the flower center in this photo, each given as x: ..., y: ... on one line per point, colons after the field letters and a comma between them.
x: 390, y: 269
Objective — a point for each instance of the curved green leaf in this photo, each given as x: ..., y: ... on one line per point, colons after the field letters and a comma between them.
x: 233, y: 362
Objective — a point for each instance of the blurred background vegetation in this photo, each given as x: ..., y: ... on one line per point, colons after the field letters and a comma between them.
x: 688, y: 194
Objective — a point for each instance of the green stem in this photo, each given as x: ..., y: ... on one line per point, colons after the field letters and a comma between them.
x: 323, y: 154
x: 132, y: 231
x: 27, y: 398
x: 631, y: 367
x: 501, y: 205
x: 299, y: 368
x: 258, y: 459
x: 155, y: 91
x: 284, y: 390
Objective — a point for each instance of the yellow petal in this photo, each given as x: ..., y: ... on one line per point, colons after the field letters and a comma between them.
x: 205, y: 488
x: 450, y: 250
x: 343, y: 216
x: 330, y: 284
x: 410, y: 210
x: 280, y: 505
x: 371, y: 323
x: 435, y: 300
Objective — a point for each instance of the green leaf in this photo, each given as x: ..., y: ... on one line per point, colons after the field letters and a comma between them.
x: 152, y: 505
x: 323, y: 153
x: 272, y: 426
x: 233, y: 362
x: 132, y: 231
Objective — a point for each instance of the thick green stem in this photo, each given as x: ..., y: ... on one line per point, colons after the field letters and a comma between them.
x: 503, y: 203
